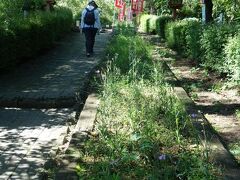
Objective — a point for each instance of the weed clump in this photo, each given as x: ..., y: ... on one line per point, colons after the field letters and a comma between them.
x: 143, y: 131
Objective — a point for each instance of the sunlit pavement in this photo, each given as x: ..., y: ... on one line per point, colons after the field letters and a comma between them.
x: 28, y: 136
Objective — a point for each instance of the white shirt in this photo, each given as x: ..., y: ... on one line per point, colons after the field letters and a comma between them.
x: 97, y: 23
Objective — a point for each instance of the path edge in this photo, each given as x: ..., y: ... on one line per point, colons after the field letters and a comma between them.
x: 218, y: 152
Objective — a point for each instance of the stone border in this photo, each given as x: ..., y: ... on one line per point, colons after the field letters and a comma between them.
x: 215, y: 147
x: 83, y: 127
x: 210, y: 138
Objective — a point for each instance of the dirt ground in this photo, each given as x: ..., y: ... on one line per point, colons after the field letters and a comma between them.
x: 219, y: 104
x: 210, y: 92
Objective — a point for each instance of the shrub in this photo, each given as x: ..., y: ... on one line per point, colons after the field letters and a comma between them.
x: 161, y: 23
x: 213, y: 40
x: 153, y: 24
x: 144, y: 23
x: 175, y: 35
x: 23, y: 38
x: 193, y: 36
x: 106, y: 21
x: 191, y: 8
x: 7, y: 47
x: 148, y: 23
x: 127, y: 31
x: 232, y: 58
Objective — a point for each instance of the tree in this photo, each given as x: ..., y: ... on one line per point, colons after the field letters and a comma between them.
x: 230, y: 8
x: 209, y: 11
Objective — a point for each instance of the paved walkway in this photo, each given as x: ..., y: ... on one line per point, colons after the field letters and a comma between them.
x: 59, y: 74
x: 28, y: 136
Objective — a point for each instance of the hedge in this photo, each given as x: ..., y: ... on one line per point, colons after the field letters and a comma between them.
x: 161, y: 24
x: 178, y: 35
x: 212, y: 45
x: 192, y: 37
x: 213, y: 40
x: 24, y: 38
x: 232, y: 59
x: 153, y: 24
x: 144, y: 25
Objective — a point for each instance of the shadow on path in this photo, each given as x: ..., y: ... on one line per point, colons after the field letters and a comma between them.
x: 28, y: 137
x: 60, y: 74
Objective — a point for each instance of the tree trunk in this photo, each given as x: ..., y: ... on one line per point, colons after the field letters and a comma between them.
x: 209, y: 9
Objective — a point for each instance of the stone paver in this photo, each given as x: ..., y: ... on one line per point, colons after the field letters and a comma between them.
x: 84, y: 126
x: 28, y: 137
x: 88, y: 114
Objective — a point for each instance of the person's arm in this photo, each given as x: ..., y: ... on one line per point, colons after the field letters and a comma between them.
x: 82, y: 20
x: 97, y: 17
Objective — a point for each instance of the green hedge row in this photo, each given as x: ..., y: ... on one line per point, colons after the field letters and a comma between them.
x: 184, y: 36
x: 232, y: 58
x: 154, y: 24
x: 215, y: 46
x: 161, y: 24
x: 144, y: 25
x: 210, y: 45
x: 213, y: 40
x: 23, y: 38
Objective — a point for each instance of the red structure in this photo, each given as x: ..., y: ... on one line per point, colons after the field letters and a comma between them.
x: 121, y: 15
x: 137, y: 5
x: 118, y: 3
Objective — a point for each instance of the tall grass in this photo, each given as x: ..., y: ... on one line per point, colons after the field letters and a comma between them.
x: 141, y: 127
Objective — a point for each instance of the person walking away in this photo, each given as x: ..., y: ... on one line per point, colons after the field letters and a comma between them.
x: 90, y: 25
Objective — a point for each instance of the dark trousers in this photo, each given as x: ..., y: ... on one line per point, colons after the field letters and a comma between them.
x: 90, y: 34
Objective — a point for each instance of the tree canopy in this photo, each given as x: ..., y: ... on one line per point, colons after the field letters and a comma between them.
x: 230, y: 8
x: 191, y: 8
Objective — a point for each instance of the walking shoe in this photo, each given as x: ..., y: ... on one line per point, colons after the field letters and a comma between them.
x: 88, y: 54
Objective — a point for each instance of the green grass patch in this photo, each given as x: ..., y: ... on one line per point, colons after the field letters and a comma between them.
x: 142, y: 130
x: 235, y: 150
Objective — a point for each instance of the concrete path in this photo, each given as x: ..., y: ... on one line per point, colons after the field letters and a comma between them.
x: 60, y: 74
x: 29, y: 136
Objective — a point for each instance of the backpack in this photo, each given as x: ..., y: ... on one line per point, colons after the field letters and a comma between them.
x: 89, y: 18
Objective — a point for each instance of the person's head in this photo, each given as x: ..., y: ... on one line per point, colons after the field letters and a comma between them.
x: 92, y: 3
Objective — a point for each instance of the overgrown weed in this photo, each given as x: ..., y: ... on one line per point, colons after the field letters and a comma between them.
x: 143, y: 129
